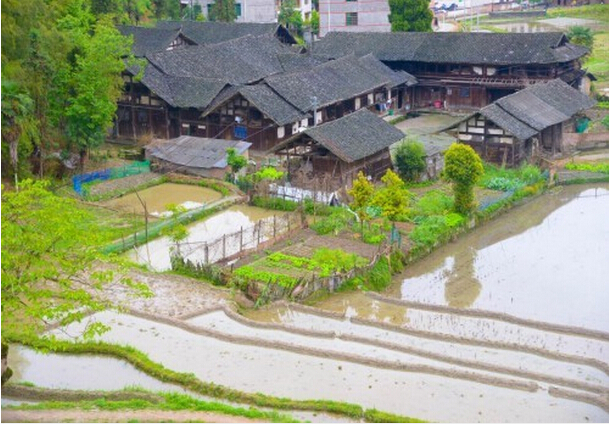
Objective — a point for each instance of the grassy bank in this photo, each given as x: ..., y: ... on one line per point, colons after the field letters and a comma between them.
x: 189, y: 381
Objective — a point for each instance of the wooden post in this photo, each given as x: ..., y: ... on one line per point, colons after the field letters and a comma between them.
x: 274, y: 226
x: 259, y: 229
x: 224, y: 246
x: 241, y: 240
x: 206, y: 253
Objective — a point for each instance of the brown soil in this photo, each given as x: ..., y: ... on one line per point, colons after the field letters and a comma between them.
x: 82, y: 416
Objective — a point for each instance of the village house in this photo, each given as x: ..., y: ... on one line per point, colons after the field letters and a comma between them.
x: 204, y: 157
x: 332, y: 154
x: 353, y: 16
x: 465, y: 71
x: 529, y: 122
x: 253, y: 88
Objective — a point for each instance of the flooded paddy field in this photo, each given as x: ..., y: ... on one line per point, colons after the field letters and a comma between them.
x: 545, y: 261
x: 156, y: 254
x: 285, y: 363
x: 158, y: 197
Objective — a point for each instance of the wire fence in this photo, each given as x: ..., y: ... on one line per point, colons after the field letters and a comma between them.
x: 232, y: 246
x: 80, y: 181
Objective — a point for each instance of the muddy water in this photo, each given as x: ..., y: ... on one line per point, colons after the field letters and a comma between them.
x: 78, y: 372
x: 547, y: 260
x: 158, y: 197
x: 282, y: 373
x: 156, y: 254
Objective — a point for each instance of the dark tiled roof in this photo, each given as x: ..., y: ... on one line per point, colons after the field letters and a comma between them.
x: 374, y: 65
x: 196, y: 152
x: 299, y: 62
x: 240, y: 61
x: 330, y: 82
x: 356, y: 136
x: 182, y: 91
x: 149, y: 40
x: 529, y: 111
x: 217, y: 32
x: 264, y: 99
x: 453, y: 47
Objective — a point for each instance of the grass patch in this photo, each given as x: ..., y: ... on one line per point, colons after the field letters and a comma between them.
x: 602, y: 167
x: 597, y: 12
x: 188, y: 380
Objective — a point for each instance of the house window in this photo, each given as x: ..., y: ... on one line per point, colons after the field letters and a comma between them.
x: 464, y: 92
x: 351, y: 0
x: 238, y: 9
x: 209, y: 7
x: 351, y: 19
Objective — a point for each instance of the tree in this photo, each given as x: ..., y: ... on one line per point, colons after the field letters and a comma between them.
x: 463, y: 167
x: 410, y: 16
x: 410, y: 159
x: 166, y: 9
x: 392, y: 198
x: 289, y: 16
x: 223, y: 11
x: 48, y: 272
x: 581, y: 35
x: 235, y: 161
x: 361, y: 191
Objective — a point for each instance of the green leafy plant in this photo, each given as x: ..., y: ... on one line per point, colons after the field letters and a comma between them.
x: 463, y: 167
x: 410, y: 159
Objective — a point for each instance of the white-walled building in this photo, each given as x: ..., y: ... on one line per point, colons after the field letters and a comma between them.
x: 259, y: 11
x: 353, y: 16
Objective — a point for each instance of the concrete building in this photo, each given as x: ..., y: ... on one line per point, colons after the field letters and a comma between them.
x: 353, y: 16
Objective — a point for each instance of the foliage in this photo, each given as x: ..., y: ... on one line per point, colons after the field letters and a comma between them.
x: 47, y: 261
x: 268, y: 173
x: 605, y: 121
x: 434, y: 202
x: 504, y: 179
x: 602, y: 167
x: 434, y: 229
x: 464, y: 168
x: 361, y: 191
x: 275, y: 203
x: 581, y: 35
x: 392, y: 198
x: 235, y: 161
x: 338, y: 220
x: 379, y: 277
x: 410, y: 16
x: 223, y: 11
x: 410, y: 159
x: 289, y: 16
x: 314, y: 22
x: 249, y: 273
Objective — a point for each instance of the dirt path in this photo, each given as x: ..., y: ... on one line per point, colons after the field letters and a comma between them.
x: 152, y: 416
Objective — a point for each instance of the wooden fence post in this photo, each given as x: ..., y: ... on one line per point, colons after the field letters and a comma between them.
x: 224, y: 246
x: 259, y: 230
x: 274, y: 226
x: 206, y: 253
x: 241, y: 240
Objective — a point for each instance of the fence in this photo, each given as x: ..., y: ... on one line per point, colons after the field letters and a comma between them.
x: 232, y: 246
x: 109, y: 174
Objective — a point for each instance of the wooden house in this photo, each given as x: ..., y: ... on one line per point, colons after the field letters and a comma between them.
x: 336, y: 151
x: 254, y: 88
x: 152, y: 40
x: 204, y: 157
x: 465, y: 71
x: 529, y: 122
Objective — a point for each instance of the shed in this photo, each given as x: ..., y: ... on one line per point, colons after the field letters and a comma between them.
x: 205, y: 157
x: 336, y: 151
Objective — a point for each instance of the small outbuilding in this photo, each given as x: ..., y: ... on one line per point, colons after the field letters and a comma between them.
x: 205, y: 157
x: 336, y: 151
x: 529, y: 122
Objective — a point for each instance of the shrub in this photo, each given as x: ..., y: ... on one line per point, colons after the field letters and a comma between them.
x: 379, y: 276
x: 338, y: 220
x: 410, y: 159
x: 464, y: 168
x: 434, y: 202
x: 274, y: 203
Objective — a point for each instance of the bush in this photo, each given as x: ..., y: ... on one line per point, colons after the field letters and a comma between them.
x: 410, y: 159
x: 379, y: 276
x: 274, y: 203
x: 434, y: 202
x: 464, y: 168
x: 434, y: 229
x: 338, y: 220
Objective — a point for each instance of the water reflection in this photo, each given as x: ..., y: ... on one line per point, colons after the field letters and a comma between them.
x: 545, y: 260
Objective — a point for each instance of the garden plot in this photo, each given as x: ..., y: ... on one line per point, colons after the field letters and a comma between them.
x: 259, y: 366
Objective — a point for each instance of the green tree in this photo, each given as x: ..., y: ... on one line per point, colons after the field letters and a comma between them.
x: 392, y: 198
x: 50, y: 264
x: 289, y: 17
x: 410, y: 16
x: 581, y: 35
x: 166, y: 9
x: 463, y: 167
x: 223, y: 11
x: 361, y: 191
x: 235, y: 161
x: 410, y: 159
x: 19, y: 127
